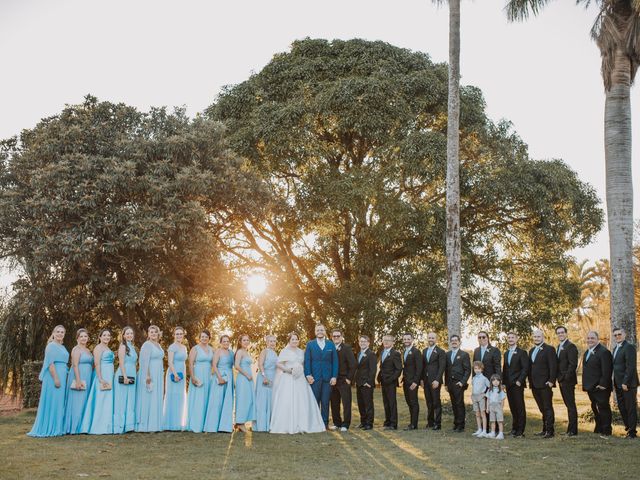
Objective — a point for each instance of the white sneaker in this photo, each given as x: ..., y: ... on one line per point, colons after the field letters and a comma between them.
x: 344, y: 429
x: 477, y: 433
x: 490, y: 435
x: 482, y: 435
x: 500, y: 436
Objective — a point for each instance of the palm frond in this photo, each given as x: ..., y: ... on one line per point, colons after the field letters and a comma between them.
x: 518, y: 10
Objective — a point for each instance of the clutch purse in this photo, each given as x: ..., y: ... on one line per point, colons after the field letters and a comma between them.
x: 75, y: 386
x: 179, y: 378
x: 104, y: 386
x: 196, y: 382
x: 132, y: 380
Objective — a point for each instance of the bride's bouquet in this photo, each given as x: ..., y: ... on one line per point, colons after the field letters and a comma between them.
x: 296, y: 370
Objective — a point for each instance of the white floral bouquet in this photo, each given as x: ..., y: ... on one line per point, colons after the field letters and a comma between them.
x: 296, y: 370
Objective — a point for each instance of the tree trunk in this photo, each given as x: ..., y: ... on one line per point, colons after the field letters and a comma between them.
x: 453, y: 174
x: 617, y: 141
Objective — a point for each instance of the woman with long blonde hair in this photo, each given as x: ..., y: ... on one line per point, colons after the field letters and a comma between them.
x: 50, y: 417
x: 150, y: 391
x: 78, y: 383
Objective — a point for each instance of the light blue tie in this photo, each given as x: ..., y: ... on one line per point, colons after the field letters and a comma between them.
x: 588, y: 355
x: 384, y: 355
x: 406, y: 352
x: 453, y: 356
x: 535, y: 353
x: 510, y: 355
x: 482, y: 352
x: 429, y: 352
x: 360, y: 357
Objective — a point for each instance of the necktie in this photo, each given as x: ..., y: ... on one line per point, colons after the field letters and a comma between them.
x: 406, y: 352
x: 453, y: 356
x: 360, y: 356
x: 615, y: 352
x: 535, y: 353
x: 509, y: 359
x: 482, y: 350
x: 558, y: 352
x: 384, y: 355
x: 429, y: 352
x: 588, y: 355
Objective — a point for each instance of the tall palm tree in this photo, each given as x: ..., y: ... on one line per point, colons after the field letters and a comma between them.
x: 454, y: 302
x: 616, y: 31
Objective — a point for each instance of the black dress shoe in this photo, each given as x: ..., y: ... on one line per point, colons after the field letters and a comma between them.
x: 572, y: 434
x: 518, y: 435
x: 548, y: 435
x: 409, y: 427
x: 513, y: 432
x: 459, y: 430
x: 436, y: 427
x: 361, y: 426
x: 540, y: 434
x: 367, y: 427
x: 630, y: 435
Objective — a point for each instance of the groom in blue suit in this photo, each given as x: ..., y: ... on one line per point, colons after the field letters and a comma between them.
x: 321, y: 369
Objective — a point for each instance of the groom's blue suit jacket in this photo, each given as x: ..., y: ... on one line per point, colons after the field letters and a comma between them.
x: 321, y: 364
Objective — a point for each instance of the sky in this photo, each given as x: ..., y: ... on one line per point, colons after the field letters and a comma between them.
x: 543, y: 75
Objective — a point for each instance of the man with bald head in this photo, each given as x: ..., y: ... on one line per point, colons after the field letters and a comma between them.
x: 543, y: 369
x: 435, y: 362
x: 597, y: 369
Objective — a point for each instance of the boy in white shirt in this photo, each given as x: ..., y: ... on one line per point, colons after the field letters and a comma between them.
x: 479, y: 386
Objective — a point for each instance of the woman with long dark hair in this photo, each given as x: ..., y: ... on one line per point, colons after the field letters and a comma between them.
x: 200, y: 364
x: 220, y: 408
x: 98, y: 414
x: 150, y: 391
x: 124, y: 403
x: 78, y: 383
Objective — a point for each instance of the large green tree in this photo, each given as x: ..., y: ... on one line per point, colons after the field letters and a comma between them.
x: 617, y: 33
x: 351, y: 138
x: 111, y: 216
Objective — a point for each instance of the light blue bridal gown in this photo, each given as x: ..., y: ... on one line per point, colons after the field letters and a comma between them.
x: 149, y: 403
x: 124, y: 396
x: 98, y: 414
x: 50, y: 417
x: 220, y: 408
x: 264, y: 392
x: 245, y: 395
x: 175, y: 397
x: 77, y: 399
x: 198, y: 397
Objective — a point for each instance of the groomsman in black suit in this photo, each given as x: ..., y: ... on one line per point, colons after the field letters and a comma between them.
x: 543, y: 371
x: 597, y: 369
x: 435, y: 363
x: 514, y: 374
x: 341, y: 391
x: 567, y: 354
x: 625, y: 381
x: 411, y: 374
x: 366, y: 382
x: 390, y: 370
x: 490, y: 358
x: 456, y: 377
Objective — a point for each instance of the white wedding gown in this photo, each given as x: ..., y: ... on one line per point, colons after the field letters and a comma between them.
x: 294, y: 407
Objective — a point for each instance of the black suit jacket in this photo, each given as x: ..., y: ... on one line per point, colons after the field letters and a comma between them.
x: 567, y: 364
x: 518, y: 370
x: 412, y: 367
x: 433, y: 369
x: 545, y: 367
x: 491, y: 360
x: 459, y: 370
x: 598, y: 369
x: 625, y: 368
x: 391, y: 368
x: 346, y: 362
x: 366, y: 369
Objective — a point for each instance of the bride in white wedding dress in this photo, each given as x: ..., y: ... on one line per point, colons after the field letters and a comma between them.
x: 294, y: 407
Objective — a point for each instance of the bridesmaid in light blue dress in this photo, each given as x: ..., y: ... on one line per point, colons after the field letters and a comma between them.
x: 79, y: 378
x: 175, y: 397
x: 200, y: 365
x: 220, y: 407
x: 264, y: 385
x: 150, y: 381
x: 98, y: 414
x: 124, y: 394
x: 245, y: 395
x: 50, y: 417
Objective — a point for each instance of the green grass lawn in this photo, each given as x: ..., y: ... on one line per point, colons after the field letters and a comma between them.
x: 357, y: 454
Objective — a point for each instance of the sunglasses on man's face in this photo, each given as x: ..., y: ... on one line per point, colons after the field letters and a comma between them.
x: 336, y: 336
